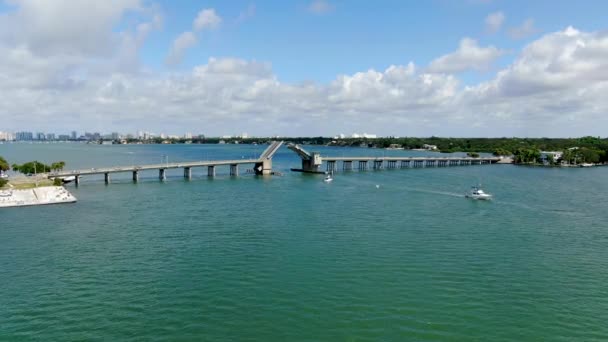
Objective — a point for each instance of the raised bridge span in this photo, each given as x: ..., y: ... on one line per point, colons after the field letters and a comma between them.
x: 261, y: 166
x: 312, y: 162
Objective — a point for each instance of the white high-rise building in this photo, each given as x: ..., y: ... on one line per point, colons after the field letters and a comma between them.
x: 7, y: 136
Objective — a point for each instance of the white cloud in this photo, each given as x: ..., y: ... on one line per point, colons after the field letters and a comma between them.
x: 494, y: 22
x: 556, y: 86
x: 65, y: 26
x: 469, y: 56
x: 524, y: 30
x: 182, y: 43
x: 206, y: 19
x: 320, y: 7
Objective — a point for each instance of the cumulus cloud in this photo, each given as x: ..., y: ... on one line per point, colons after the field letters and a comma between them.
x: 524, y: 30
x: 182, y: 43
x: 206, y: 19
x: 555, y: 86
x: 494, y: 22
x: 320, y: 7
x: 62, y: 26
x: 469, y: 56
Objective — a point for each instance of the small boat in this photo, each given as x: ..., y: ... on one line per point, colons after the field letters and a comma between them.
x: 478, y: 194
x: 328, y: 178
x: 586, y: 165
x: 67, y: 179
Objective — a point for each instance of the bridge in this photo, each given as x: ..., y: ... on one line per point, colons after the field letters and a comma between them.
x: 261, y: 166
x: 312, y: 162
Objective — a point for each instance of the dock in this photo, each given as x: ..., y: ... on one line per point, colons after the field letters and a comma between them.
x: 261, y: 166
x: 312, y: 162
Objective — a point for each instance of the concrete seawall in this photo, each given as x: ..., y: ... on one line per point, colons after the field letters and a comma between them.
x: 36, y: 196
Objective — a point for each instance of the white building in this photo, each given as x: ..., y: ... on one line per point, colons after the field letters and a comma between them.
x: 6, y: 136
x: 188, y: 136
x: 546, y: 156
x: 364, y: 135
x: 429, y: 147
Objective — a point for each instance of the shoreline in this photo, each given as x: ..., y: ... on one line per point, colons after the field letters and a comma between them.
x: 45, y: 195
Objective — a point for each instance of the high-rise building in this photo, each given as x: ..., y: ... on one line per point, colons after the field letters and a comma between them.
x: 74, y: 135
x: 40, y: 136
x: 50, y: 136
x: 24, y: 136
x: 7, y: 136
x: 115, y: 136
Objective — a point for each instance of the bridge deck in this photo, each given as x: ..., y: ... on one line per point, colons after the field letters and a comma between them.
x: 100, y: 171
x: 493, y: 159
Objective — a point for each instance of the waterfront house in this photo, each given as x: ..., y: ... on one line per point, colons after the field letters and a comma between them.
x: 547, y: 157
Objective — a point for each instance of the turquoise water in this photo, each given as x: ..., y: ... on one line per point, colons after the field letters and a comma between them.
x: 293, y: 258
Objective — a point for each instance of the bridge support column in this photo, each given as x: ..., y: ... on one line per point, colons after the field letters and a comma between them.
x: 162, y: 174
x: 77, y: 180
x: 347, y: 165
x: 264, y: 167
x: 106, y: 178
x: 211, y: 171
x: 405, y: 163
x: 331, y: 165
x: 362, y: 165
x: 187, y: 173
x: 135, y: 176
x: 378, y: 164
x: 234, y: 169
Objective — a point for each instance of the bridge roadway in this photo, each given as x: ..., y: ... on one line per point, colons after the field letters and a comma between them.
x: 486, y: 159
x: 262, y: 166
x: 402, y: 162
x: 311, y: 162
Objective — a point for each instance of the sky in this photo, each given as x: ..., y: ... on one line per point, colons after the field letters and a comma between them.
x: 494, y: 68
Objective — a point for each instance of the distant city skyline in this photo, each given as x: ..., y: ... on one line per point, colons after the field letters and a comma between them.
x: 144, y: 135
x: 462, y: 68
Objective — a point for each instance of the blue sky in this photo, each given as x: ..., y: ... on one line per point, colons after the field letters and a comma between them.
x: 359, y: 35
x: 309, y: 67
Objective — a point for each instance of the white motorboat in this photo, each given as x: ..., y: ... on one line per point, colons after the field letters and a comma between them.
x: 478, y: 194
x: 68, y: 179
x: 328, y: 178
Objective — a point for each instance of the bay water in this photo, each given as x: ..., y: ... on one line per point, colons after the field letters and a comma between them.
x: 389, y: 255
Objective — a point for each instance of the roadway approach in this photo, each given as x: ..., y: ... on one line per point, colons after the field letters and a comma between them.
x: 261, y: 166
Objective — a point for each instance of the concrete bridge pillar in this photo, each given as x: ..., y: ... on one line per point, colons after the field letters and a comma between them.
x: 405, y: 163
x: 362, y: 165
x: 162, y: 174
x: 378, y: 164
x: 77, y: 180
x: 331, y: 165
x: 347, y: 165
x: 264, y: 167
x: 106, y: 177
x: 234, y: 169
x: 211, y: 170
x: 135, y: 176
x: 187, y: 173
